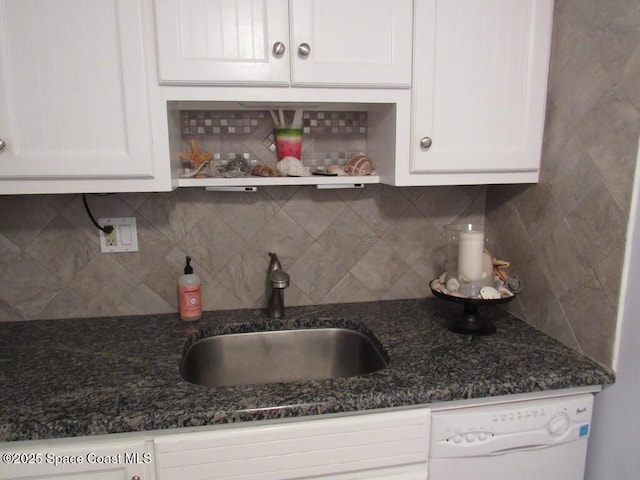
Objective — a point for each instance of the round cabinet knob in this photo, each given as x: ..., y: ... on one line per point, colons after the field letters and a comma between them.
x: 558, y: 424
x: 135, y: 477
x: 425, y: 142
x: 278, y: 49
x: 2, y: 144
x: 304, y: 49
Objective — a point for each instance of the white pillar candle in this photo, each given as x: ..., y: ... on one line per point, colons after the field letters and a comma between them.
x: 470, y: 261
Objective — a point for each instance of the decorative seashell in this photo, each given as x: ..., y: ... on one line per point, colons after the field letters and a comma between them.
x: 264, y: 171
x: 292, y: 167
x: 489, y: 293
x: 359, y: 165
x: 487, y: 266
x: 453, y: 284
x: 337, y: 169
x: 514, y: 284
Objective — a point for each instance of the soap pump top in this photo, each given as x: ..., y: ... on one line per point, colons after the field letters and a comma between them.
x: 188, y: 269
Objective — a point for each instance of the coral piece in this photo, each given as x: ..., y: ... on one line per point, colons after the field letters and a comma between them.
x: 197, y: 156
x: 264, y: 171
x: 360, y: 165
x: 292, y: 167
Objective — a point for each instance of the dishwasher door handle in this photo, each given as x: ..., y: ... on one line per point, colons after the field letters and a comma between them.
x: 520, y: 448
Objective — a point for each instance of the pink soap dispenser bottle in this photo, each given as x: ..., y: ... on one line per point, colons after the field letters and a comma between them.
x: 189, y: 298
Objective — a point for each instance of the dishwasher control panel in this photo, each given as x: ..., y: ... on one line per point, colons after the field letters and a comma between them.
x: 493, y: 429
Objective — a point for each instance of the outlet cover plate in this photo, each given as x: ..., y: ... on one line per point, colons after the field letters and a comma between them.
x: 126, y: 234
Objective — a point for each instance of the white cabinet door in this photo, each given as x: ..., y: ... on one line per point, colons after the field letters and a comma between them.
x: 351, y: 42
x: 480, y: 78
x: 73, y: 91
x: 84, y: 459
x: 259, y: 42
x: 222, y: 41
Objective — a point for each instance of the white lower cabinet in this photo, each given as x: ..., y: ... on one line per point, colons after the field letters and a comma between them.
x: 82, y: 458
x: 389, y: 445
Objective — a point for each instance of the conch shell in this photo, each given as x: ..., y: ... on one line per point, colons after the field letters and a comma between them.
x: 359, y: 165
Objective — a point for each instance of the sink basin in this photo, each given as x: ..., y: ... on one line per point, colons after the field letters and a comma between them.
x: 280, y: 356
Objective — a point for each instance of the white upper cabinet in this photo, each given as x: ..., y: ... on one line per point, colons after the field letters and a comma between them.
x: 73, y: 95
x: 479, y: 90
x: 357, y: 43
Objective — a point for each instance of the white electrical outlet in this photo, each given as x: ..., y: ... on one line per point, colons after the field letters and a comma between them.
x: 124, y: 237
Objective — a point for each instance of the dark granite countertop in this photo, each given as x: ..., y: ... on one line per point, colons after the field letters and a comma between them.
x: 65, y: 378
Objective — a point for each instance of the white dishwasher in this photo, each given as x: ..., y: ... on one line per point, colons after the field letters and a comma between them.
x: 526, y: 440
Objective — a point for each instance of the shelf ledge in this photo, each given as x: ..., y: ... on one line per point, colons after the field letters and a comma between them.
x: 250, y: 181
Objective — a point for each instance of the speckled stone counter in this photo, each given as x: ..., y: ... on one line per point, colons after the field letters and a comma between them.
x: 65, y: 378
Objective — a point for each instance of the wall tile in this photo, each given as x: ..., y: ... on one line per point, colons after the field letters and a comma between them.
x: 313, y: 209
x: 285, y: 237
x: 315, y: 273
x: 61, y: 251
x: 598, y: 223
x: 348, y: 238
x: 609, y: 134
x: 23, y: 218
x: 95, y: 289
x: 591, y: 317
x: 380, y: 268
x: 27, y: 286
x: 379, y: 207
x: 349, y: 289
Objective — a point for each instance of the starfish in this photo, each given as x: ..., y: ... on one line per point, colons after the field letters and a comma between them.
x: 197, y: 156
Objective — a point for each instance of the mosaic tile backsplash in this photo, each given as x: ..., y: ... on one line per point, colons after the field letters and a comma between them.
x: 329, y: 137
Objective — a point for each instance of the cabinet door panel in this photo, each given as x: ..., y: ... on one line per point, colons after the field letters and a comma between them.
x: 352, y: 42
x: 222, y: 41
x: 73, y: 101
x: 481, y: 76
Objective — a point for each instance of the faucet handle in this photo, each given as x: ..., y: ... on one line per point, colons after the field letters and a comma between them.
x: 279, y: 279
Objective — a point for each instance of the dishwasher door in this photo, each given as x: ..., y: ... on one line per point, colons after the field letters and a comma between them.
x: 528, y: 440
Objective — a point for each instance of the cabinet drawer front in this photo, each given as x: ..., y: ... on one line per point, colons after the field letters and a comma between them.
x: 298, y: 449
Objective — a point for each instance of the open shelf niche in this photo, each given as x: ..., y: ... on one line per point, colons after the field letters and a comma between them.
x: 243, y: 133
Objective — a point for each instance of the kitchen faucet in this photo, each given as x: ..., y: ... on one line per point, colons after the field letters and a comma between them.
x: 279, y: 280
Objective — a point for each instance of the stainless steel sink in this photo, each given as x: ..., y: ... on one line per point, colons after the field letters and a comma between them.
x: 280, y: 356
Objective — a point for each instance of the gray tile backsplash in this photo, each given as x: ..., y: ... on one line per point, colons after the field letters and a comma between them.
x: 374, y: 243
x: 564, y: 236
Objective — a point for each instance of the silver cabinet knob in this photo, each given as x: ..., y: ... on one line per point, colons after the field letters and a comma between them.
x: 135, y: 477
x: 278, y: 49
x: 304, y: 49
x: 2, y: 144
x: 425, y: 142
